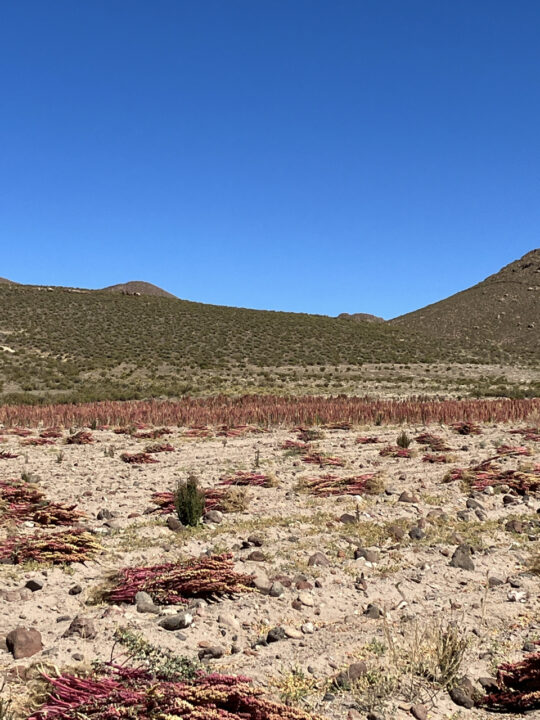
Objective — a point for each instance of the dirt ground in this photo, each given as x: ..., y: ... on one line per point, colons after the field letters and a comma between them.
x: 389, y: 609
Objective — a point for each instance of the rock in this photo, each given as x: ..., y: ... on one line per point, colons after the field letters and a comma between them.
x: 83, y: 627
x: 462, y: 558
x: 371, y: 556
x: 211, y: 652
x: 75, y: 590
x: 23, y: 642
x: 229, y: 621
x: 306, y: 599
x: 353, y: 672
x: 473, y: 504
x: 276, y: 634
x: 416, y: 533
x: 256, y: 556
x: 419, y: 711
x: 354, y: 715
x: 308, y: 628
x: 463, y: 693
x: 256, y: 540
x: 407, y: 497
x: 214, y: 517
x: 292, y: 632
x: 34, y: 585
x: 373, y: 611
x: 489, y: 684
x: 276, y: 589
x: 176, y: 622
x: 145, y: 604
x: 318, y: 558
x: 495, y: 582
x: 348, y: 519
x: 11, y: 595
x: 397, y: 532
x: 174, y: 524
x: 104, y: 514
x: 515, y: 526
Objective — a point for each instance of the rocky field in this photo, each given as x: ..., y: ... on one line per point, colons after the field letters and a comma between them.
x: 352, y: 572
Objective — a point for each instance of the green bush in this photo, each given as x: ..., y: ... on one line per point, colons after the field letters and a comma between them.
x: 189, y: 501
x: 403, y: 440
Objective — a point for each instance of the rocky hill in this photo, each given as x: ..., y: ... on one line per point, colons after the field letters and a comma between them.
x: 139, y: 287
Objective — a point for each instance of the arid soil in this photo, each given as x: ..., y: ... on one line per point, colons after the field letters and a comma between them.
x: 340, y: 580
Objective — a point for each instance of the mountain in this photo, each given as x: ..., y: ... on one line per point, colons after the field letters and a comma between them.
x: 499, y: 314
x: 138, y: 287
x: 5, y: 281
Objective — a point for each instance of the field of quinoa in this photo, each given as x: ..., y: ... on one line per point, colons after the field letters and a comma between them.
x: 355, y: 559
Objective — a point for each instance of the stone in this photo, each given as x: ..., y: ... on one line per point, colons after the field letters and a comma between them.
x: 348, y: 519
x: 180, y: 621
x: 495, y: 582
x: 276, y: 634
x: 255, y: 540
x: 145, y: 604
x: 371, y: 556
x: 213, y: 652
x: 515, y: 526
x: 276, y: 589
x: 419, y: 711
x: 306, y: 599
x: 463, y: 693
x: 173, y: 523
x: 462, y: 558
x: 397, y: 532
x: 318, y: 558
x: 373, y: 611
x: 24, y: 642
x: 256, y: 556
x: 229, y: 621
x: 354, y: 672
x: 416, y: 533
x: 292, y: 632
x: 407, y: 497
x: 214, y: 517
x: 308, y: 628
x: 104, y: 514
x: 83, y: 627
x: 75, y: 590
x: 34, y: 584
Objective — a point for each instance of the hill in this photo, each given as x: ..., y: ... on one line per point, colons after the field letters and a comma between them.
x: 500, y: 313
x: 362, y: 317
x: 139, y: 287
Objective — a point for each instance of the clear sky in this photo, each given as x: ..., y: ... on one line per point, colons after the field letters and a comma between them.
x: 308, y: 155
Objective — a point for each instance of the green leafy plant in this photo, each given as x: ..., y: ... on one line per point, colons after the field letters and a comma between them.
x: 189, y: 501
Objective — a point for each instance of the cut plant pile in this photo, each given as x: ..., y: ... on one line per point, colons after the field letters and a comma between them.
x: 434, y: 458
x: 114, y: 691
x: 24, y: 501
x: 322, y: 460
x: 242, y: 478
x: 51, y: 433
x: 396, y: 452
x: 159, y: 448
x: 519, y: 686
x: 83, y: 437
x: 531, y: 433
x: 62, y: 548
x: 38, y: 441
x: 239, y: 430
x: 466, y: 428
x: 514, y: 450
x: 152, y: 434
x: 327, y: 485
x: 142, y: 458
x: 434, y: 442
x: 5, y: 455
x: 368, y: 440
x: 173, y: 583
x: 487, y: 473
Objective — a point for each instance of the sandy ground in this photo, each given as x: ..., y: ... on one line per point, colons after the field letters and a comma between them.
x: 324, y: 607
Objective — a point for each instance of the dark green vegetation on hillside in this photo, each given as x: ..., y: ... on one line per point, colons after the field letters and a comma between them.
x: 87, y: 344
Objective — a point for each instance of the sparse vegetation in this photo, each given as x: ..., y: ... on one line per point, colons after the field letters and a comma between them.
x: 189, y: 501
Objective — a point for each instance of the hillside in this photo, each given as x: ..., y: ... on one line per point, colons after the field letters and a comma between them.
x: 501, y: 312
x: 139, y: 287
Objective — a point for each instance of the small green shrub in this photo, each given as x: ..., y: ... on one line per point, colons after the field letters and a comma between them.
x: 189, y: 501
x: 403, y: 440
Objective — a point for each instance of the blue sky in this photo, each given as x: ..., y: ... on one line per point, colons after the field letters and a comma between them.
x: 305, y: 155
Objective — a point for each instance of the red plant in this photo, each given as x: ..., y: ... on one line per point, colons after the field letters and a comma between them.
x: 20, y: 431
x: 519, y: 687
x: 327, y: 485
x: 435, y: 442
x: 466, y: 428
x: 198, y: 432
x: 367, y: 440
x: 114, y: 691
x: 37, y: 441
x: 531, y: 433
x: 27, y: 502
x: 67, y: 546
x: 159, y: 448
x: 50, y: 433
x: 395, y: 451
x: 433, y: 458
x: 5, y: 455
x: 176, y: 582
x: 322, y: 460
x: 142, y: 458
x: 238, y: 431
x: 269, y: 410
x: 295, y: 445
x: 513, y: 450
x: 156, y: 433
x: 248, y: 478
x: 83, y: 437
